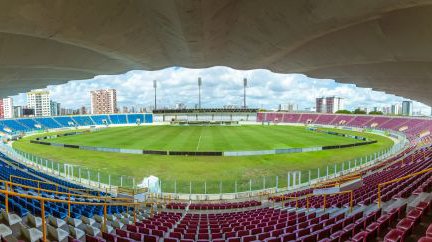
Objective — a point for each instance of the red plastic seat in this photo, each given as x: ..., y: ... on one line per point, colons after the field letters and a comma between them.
x: 406, y: 225
x: 424, y: 206
x: 249, y: 238
x: 415, y: 215
x: 395, y: 235
x: 360, y: 237
x: 425, y: 239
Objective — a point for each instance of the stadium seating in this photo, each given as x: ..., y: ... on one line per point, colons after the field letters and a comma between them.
x: 101, y: 119
x: 250, y: 220
x: 118, y: 118
x: 65, y: 121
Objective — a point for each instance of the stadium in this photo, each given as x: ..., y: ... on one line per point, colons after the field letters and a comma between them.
x: 236, y: 174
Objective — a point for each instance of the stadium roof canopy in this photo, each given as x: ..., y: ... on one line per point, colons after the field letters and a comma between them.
x: 383, y: 44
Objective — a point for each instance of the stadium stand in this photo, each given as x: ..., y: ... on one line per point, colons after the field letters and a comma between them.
x: 373, y: 211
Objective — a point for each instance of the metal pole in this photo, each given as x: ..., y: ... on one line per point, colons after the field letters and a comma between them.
x: 327, y: 172
x: 244, y: 92
x: 277, y: 181
x: 309, y: 173
x: 289, y: 180
x: 199, y: 92
x: 155, y: 87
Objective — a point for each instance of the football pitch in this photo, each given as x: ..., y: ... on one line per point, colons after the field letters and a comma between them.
x: 197, y: 170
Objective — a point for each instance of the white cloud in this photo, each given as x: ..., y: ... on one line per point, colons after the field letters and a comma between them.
x: 221, y: 86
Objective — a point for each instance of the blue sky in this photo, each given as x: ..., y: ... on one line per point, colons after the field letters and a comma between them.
x: 221, y: 86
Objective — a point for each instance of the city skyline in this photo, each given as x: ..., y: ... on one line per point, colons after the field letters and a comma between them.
x: 220, y: 86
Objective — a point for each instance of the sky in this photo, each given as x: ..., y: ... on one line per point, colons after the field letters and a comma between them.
x: 220, y: 86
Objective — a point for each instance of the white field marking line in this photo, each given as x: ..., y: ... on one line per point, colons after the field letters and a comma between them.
x: 199, y: 141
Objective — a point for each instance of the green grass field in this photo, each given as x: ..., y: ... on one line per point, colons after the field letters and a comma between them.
x: 205, y: 138
x: 212, y: 170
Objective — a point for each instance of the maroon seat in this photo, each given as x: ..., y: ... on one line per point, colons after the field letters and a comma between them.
x: 373, y: 229
x: 109, y: 237
x: 94, y: 239
x: 309, y: 238
x: 395, y: 235
x: 425, y: 239
x: 235, y: 239
x: 216, y: 236
x: 122, y: 233
x: 265, y: 235
x: 175, y: 235
x: 406, y: 225
x: 424, y: 206
x: 360, y: 237
x: 132, y: 228
x: 150, y: 238
x: 384, y: 220
x: 415, y: 215
x: 272, y: 239
x: 342, y: 235
x: 249, y: 238
x: 136, y: 236
x: 288, y: 237
x: 203, y: 236
x: 121, y: 239
x: 170, y: 240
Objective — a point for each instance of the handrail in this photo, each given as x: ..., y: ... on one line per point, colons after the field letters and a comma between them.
x: 338, y: 181
x: 62, y: 193
x: 284, y: 199
x: 42, y: 201
x: 397, y: 180
x: 33, y: 180
x: 330, y: 194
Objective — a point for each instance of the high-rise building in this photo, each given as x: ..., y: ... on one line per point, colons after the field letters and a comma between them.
x: 1, y: 109
x: 103, y: 101
x: 329, y: 104
x: 8, y: 107
x: 55, y: 108
x: 18, y: 111
x: 40, y: 101
x: 407, y: 108
x: 286, y: 107
x: 83, y: 110
x: 396, y: 109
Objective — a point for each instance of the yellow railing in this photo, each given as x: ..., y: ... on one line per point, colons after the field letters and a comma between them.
x: 330, y: 194
x: 42, y: 201
x: 33, y: 180
x: 397, y: 180
x: 338, y: 181
x: 285, y: 199
x: 85, y: 190
x: 39, y: 190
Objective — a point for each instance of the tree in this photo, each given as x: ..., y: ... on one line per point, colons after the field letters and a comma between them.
x: 359, y: 111
x: 376, y: 112
x: 344, y: 111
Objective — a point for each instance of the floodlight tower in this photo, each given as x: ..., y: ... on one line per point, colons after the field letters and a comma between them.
x: 155, y: 87
x: 244, y: 92
x: 199, y: 92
